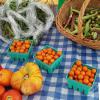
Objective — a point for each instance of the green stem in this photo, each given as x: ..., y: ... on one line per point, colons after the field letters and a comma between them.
x: 76, y: 11
x: 89, y: 16
x: 75, y: 31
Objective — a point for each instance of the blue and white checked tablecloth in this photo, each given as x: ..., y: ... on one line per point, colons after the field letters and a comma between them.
x: 55, y: 85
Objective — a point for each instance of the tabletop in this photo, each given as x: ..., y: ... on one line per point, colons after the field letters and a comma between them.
x: 55, y: 84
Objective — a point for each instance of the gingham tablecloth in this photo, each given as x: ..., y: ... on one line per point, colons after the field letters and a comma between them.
x: 55, y: 85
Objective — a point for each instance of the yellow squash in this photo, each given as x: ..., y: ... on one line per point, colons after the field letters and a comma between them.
x: 27, y: 79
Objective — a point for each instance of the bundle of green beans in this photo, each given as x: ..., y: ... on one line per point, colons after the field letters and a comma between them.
x: 7, y: 31
x: 91, y: 25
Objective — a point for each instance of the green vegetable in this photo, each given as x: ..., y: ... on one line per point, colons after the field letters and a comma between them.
x: 6, y: 29
x: 22, y: 25
x: 89, y: 16
x: 13, y: 5
x: 76, y: 11
x: 23, y: 4
x: 87, y: 28
x: 94, y: 35
x: 75, y: 31
x: 41, y: 15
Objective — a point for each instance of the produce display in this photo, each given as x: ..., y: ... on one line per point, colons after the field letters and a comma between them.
x: 20, y: 46
x: 27, y: 79
x: 23, y: 22
x: 48, y: 55
x: 82, y: 73
x: 91, y: 23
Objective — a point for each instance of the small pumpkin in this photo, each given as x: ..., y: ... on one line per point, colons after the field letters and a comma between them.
x: 27, y: 79
x: 5, y: 77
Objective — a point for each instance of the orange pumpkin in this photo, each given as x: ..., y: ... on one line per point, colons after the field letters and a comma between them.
x: 27, y: 79
x: 5, y: 77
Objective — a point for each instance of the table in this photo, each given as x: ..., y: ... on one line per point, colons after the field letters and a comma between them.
x: 55, y: 85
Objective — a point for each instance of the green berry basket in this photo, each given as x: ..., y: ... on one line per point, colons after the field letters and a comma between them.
x: 53, y: 66
x: 19, y: 56
x: 72, y: 84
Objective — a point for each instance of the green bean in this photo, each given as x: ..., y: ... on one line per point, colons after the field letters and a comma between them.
x: 9, y: 29
x: 76, y: 11
x: 98, y: 16
x: 87, y: 28
x: 89, y: 16
x: 23, y: 4
x: 75, y: 31
x: 13, y: 5
x: 93, y: 29
x: 94, y: 35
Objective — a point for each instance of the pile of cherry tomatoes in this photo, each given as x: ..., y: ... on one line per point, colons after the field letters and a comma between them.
x: 48, y: 55
x: 20, y: 46
x: 82, y: 73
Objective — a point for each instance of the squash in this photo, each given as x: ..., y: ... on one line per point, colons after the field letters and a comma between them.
x: 27, y: 79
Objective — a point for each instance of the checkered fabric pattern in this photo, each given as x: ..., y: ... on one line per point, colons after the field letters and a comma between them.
x: 55, y: 85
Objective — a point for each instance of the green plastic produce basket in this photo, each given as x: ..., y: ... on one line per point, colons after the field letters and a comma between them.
x: 79, y: 86
x: 52, y: 67
x: 19, y: 56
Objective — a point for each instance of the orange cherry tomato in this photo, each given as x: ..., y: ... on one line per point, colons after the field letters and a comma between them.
x: 92, y: 75
x: 27, y: 46
x: 82, y: 73
x: 59, y: 53
x: 86, y: 77
x: 80, y: 77
x: 52, y: 60
x: 93, y: 71
x: 71, y: 73
x: 74, y: 66
x: 85, y: 68
x: 75, y: 76
x: 21, y: 51
x: 85, y: 81
x: 73, y: 69
x: 40, y: 57
x: 46, y: 61
x: 56, y: 57
x: 88, y: 73
x: 53, y: 53
x: 39, y: 53
x: 79, y: 68
x: 78, y: 63
x: 89, y: 84
x: 91, y: 80
x: 19, y: 44
x: 70, y: 77
x: 77, y: 72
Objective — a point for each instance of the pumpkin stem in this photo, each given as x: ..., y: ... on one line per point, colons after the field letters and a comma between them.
x: 26, y: 76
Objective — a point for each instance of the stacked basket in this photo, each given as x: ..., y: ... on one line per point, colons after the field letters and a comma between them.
x: 63, y: 14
